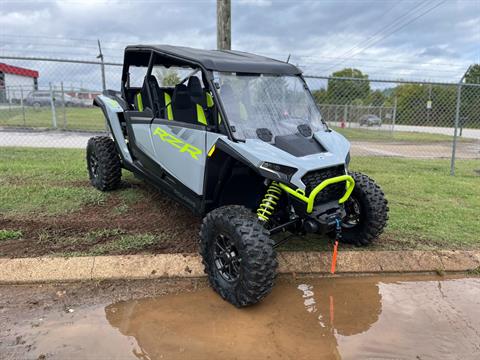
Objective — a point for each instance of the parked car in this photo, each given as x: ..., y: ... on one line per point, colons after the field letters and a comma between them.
x: 42, y: 98
x: 370, y: 120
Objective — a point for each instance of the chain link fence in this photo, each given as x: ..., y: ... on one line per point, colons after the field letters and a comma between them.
x: 59, y: 99
x: 401, y: 118
x: 380, y: 118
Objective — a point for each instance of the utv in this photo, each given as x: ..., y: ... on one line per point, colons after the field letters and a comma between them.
x: 238, y: 139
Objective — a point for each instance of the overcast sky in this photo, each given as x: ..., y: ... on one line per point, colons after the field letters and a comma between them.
x: 427, y: 39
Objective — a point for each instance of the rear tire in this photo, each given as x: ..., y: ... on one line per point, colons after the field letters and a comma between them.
x: 367, y: 212
x: 104, y: 167
x: 244, y: 273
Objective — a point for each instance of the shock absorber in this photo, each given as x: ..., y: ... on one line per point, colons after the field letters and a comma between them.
x: 270, y: 200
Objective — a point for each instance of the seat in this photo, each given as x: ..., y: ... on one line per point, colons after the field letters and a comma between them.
x: 185, y: 109
x: 196, y: 91
x: 162, y: 102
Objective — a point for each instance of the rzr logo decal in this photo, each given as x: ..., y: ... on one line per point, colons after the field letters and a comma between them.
x: 177, y: 143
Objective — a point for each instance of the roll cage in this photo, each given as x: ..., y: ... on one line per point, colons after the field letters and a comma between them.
x: 147, y: 56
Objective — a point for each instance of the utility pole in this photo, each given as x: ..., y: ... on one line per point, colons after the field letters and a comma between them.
x: 224, y: 25
x: 102, y: 65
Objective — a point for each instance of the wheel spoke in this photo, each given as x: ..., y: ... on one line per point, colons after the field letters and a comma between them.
x: 226, y: 258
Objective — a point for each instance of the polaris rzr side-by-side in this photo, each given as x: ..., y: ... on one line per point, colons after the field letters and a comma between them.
x: 238, y: 139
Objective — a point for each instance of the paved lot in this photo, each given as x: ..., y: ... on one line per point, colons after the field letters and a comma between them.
x: 466, y: 133
x: 51, y: 139
x: 416, y: 151
x: 60, y: 139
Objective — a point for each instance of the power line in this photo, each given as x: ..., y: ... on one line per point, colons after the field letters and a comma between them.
x: 423, y: 67
x: 319, y: 58
x: 384, y: 28
x: 393, y: 32
x: 56, y: 44
x: 63, y: 53
x: 58, y: 38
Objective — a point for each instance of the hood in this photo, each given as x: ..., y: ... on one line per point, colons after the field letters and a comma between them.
x: 257, y: 151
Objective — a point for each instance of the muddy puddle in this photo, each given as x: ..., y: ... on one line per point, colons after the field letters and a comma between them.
x: 346, y: 318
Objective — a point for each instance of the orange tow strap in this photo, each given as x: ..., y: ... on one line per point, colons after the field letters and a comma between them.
x: 334, y: 257
x: 338, y: 236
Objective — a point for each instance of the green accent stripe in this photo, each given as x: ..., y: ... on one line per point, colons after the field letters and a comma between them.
x: 139, y: 102
x: 210, y: 102
x: 168, y: 105
x: 201, y: 115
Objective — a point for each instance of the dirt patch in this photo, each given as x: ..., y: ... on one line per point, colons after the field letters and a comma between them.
x: 175, y: 227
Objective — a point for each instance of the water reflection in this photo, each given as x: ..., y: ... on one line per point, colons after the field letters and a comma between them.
x: 295, y: 321
x: 343, y: 307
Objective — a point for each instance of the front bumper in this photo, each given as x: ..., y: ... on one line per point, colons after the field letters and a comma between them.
x: 310, y: 199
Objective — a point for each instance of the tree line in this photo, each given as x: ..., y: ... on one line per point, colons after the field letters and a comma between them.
x: 416, y: 104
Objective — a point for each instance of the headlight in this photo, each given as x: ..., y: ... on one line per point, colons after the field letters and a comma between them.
x: 280, y: 172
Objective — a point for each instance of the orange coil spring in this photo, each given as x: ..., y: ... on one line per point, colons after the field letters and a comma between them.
x: 270, y: 200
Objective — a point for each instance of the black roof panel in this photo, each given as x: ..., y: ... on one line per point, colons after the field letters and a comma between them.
x: 224, y: 60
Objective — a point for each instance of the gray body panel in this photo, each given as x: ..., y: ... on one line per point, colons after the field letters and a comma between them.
x: 179, y: 151
x: 182, y: 152
x: 184, y: 160
x: 112, y: 108
x: 257, y: 151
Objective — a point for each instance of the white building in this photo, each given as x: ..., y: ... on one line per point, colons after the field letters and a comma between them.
x: 15, y: 82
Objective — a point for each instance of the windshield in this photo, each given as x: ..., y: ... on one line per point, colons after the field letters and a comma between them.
x: 259, y: 104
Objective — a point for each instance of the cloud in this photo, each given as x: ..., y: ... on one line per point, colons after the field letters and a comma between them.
x: 321, y: 36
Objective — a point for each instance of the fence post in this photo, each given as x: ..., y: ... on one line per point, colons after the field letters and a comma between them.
x: 23, y: 107
x: 394, y: 115
x: 9, y: 99
x: 351, y: 116
x: 63, y: 107
x: 52, y: 107
x: 102, y: 65
x: 345, y: 114
x: 457, y: 118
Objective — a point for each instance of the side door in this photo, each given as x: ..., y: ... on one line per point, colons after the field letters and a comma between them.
x: 180, y: 149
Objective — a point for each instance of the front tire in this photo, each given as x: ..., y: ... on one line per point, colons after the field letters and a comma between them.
x: 367, y: 212
x: 238, y: 255
x: 104, y: 167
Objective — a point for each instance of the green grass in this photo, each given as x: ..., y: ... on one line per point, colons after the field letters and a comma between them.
x: 76, y: 118
x: 428, y: 208
x: 9, y: 234
x: 124, y: 244
x: 400, y: 136
x: 44, y: 181
x: 426, y: 203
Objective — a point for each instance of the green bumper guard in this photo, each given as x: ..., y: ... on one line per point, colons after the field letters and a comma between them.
x: 310, y: 200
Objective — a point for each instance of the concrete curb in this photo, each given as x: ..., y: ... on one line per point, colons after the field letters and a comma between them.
x: 49, y: 269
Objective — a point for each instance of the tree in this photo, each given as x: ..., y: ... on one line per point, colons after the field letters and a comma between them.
x: 320, y: 96
x: 473, y: 74
x: 170, y: 78
x: 376, y: 98
x: 412, y: 101
x: 167, y: 77
x: 470, y: 109
x: 341, y: 91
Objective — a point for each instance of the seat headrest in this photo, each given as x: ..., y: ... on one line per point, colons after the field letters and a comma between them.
x: 194, y: 86
x: 181, y: 97
x: 152, y: 80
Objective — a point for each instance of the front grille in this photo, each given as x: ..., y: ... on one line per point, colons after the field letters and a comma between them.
x: 331, y: 192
